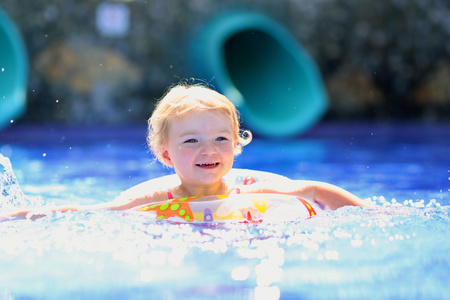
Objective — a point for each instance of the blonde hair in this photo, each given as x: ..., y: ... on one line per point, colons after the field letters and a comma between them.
x: 184, y: 98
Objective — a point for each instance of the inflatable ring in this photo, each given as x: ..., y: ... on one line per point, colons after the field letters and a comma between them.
x: 244, y: 208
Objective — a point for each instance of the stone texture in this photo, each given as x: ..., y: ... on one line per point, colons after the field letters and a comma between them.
x: 354, y: 94
x: 96, y: 81
x: 432, y: 96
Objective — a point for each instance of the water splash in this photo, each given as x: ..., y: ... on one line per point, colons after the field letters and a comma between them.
x: 11, y: 195
x: 9, y: 186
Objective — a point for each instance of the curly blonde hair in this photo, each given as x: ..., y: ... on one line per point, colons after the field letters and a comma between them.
x: 183, y: 98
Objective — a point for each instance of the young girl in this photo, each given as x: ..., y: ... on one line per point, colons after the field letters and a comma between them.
x: 196, y: 131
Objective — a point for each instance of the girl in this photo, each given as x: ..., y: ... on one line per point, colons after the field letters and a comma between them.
x: 196, y: 131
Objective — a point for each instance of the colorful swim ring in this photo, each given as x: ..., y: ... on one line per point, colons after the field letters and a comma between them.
x: 245, y: 208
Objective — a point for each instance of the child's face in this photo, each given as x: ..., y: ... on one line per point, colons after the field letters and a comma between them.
x: 200, y: 147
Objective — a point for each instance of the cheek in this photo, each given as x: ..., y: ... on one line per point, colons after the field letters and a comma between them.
x: 228, y: 150
x: 183, y: 153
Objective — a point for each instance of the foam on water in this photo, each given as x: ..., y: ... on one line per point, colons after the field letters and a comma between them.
x: 349, y: 251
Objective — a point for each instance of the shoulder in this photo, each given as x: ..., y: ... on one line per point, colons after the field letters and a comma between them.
x: 150, y: 191
x: 267, y: 186
x: 153, y: 189
x: 279, y: 186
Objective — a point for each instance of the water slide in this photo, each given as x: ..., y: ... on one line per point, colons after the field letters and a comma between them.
x: 13, y: 72
x: 259, y: 66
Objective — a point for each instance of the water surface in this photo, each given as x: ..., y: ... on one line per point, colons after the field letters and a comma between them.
x: 398, y: 249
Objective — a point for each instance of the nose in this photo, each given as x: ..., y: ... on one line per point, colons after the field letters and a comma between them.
x: 207, y: 149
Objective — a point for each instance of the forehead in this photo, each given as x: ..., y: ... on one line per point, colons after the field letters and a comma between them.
x: 207, y: 120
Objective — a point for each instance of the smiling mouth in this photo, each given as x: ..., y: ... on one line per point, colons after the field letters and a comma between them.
x: 207, y: 165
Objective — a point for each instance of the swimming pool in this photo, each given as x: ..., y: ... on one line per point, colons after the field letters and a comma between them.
x: 397, y: 250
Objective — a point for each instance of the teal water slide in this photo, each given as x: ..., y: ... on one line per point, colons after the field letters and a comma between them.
x: 13, y: 72
x: 263, y: 70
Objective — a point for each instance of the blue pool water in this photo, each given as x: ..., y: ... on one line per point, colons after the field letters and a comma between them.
x: 398, y: 250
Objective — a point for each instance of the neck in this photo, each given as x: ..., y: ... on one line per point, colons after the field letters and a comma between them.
x: 189, y: 190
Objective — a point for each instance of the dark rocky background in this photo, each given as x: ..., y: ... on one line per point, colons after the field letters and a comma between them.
x: 385, y: 59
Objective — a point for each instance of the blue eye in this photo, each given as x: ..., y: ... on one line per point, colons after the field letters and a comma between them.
x: 191, y: 141
x: 221, y: 138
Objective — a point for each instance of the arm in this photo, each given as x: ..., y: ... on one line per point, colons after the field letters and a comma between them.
x: 332, y: 196
x: 135, y: 196
x: 325, y: 194
x: 36, y: 213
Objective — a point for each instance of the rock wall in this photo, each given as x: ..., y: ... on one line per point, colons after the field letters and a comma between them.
x: 386, y: 59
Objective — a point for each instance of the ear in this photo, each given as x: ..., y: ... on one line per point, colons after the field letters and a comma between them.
x: 235, y: 145
x: 165, y: 157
